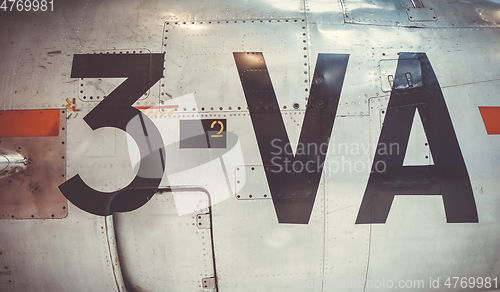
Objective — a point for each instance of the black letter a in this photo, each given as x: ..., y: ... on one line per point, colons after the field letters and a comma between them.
x: 448, y: 176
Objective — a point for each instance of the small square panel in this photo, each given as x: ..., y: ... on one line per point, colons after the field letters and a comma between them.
x: 421, y: 14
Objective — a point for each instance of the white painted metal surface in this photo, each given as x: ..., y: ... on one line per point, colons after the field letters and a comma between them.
x: 148, y: 249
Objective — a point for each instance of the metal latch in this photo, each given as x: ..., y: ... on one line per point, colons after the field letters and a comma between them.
x: 203, y: 221
x: 390, y: 78
x: 400, y: 74
x: 408, y: 79
x: 208, y: 283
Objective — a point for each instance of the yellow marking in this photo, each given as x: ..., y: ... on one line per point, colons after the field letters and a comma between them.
x: 164, y: 112
x: 171, y: 112
x: 69, y: 102
x: 157, y: 111
x: 149, y: 113
x: 221, y: 128
x: 70, y: 109
x: 143, y: 111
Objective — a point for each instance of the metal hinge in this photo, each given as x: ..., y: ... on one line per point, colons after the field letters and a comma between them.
x: 203, y: 221
x: 208, y: 283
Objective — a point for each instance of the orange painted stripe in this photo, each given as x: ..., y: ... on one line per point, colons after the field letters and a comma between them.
x: 156, y: 107
x: 29, y: 123
x: 491, y: 119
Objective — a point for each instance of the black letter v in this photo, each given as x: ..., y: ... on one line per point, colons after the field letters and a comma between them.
x: 293, y: 191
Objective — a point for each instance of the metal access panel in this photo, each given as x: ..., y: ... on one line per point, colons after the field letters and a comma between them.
x: 93, y: 90
x: 421, y: 14
x: 388, y: 13
x: 159, y: 250
x: 254, y: 182
x: 205, y: 50
x: 430, y: 13
x: 33, y: 193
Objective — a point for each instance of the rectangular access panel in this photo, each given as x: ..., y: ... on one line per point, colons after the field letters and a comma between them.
x: 160, y: 250
x: 39, y: 136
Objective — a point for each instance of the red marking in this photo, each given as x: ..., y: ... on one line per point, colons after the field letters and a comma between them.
x: 156, y: 107
x: 29, y: 123
x: 74, y: 100
x: 491, y: 119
